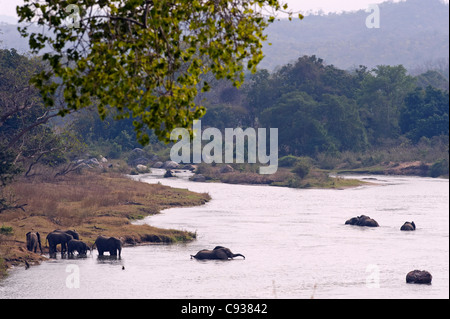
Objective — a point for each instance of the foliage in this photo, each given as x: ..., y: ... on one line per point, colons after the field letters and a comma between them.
x: 145, y: 59
x: 6, y: 230
x: 287, y: 161
x: 382, y: 95
x: 440, y: 168
x: 8, y: 169
x: 302, y: 168
x: 27, y: 138
x: 425, y: 114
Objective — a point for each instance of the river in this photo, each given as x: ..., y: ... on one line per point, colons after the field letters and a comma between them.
x: 295, y: 243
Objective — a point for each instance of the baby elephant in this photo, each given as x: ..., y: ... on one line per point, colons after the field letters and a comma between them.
x: 77, y: 245
x: 218, y: 252
x: 408, y: 226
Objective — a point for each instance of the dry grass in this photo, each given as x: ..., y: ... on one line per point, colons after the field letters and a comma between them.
x: 93, y: 204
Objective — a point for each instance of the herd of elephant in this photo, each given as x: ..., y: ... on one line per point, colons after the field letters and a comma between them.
x: 70, y: 242
x: 366, y: 221
x: 415, y: 276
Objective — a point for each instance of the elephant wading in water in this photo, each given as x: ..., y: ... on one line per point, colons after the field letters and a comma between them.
x: 77, y: 245
x: 55, y: 238
x: 419, y: 277
x: 110, y: 244
x: 218, y: 252
x: 408, y: 226
x: 364, y: 221
x: 33, y: 241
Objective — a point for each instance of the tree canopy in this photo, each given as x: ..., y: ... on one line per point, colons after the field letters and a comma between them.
x: 145, y: 59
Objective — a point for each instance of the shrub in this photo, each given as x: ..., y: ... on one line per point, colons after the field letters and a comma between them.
x: 5, y: 230
x: 288, y: 161
x: 302, y: 168
x: 440, y: 168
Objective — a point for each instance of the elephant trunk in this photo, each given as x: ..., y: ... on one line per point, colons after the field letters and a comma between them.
x: 237, y: 255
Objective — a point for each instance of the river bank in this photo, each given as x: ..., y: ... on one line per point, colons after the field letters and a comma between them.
x: 91, y: 203
x: 295, y: 172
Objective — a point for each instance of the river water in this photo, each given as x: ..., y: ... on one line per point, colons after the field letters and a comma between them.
x: 295, y: 243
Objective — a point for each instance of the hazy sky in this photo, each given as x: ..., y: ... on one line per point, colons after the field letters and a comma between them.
x: 7, y: 7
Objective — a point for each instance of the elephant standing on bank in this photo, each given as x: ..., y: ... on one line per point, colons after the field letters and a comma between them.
x: 110, y: 244
x: 33, y: 241
x: 57, y: 237
x: 218, y: 252
x: 77, y: 245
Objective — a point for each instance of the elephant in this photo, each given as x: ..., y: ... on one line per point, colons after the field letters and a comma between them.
x: 55, y: 238
x: 408, y: 226
x: 72, y: 233
x: 362, y: 220
x: 419, y: 277
x: 33, y: 241
x: 218, y: 252
x: 77, y: 245
x: 111, y: 244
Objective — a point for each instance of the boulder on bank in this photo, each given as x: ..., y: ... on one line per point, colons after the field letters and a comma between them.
x: 198, y: 178
x: 170, y: 165
x: 419, y: 277
x: 188, y: 167
x: 158, y: 165
x: 139, y: 161
x: 142, y: 169
x: 138, y: 157
x: 87, y: 164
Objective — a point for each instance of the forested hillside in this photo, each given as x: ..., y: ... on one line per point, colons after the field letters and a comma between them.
x: 413, y: 33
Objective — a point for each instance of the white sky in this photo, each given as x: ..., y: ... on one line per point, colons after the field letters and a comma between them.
x: 7, y: 7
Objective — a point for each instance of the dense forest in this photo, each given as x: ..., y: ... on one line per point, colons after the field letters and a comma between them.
x: 367, y: 108
x: 320, y: 110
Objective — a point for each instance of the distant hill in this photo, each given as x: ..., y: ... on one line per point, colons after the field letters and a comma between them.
x: 413, y: 33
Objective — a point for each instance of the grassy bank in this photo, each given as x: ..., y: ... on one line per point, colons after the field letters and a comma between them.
x: 93, y: 204
x: 284, y: 177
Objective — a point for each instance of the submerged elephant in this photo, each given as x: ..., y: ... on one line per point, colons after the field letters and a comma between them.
x: 110, y: 244
x: 408, y: 226
x: 363, y: 220
x: 419, y: 277
x: 77, y: 245
x: 218, y: 252
x: 57, y: 237
x: 33, y: 241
